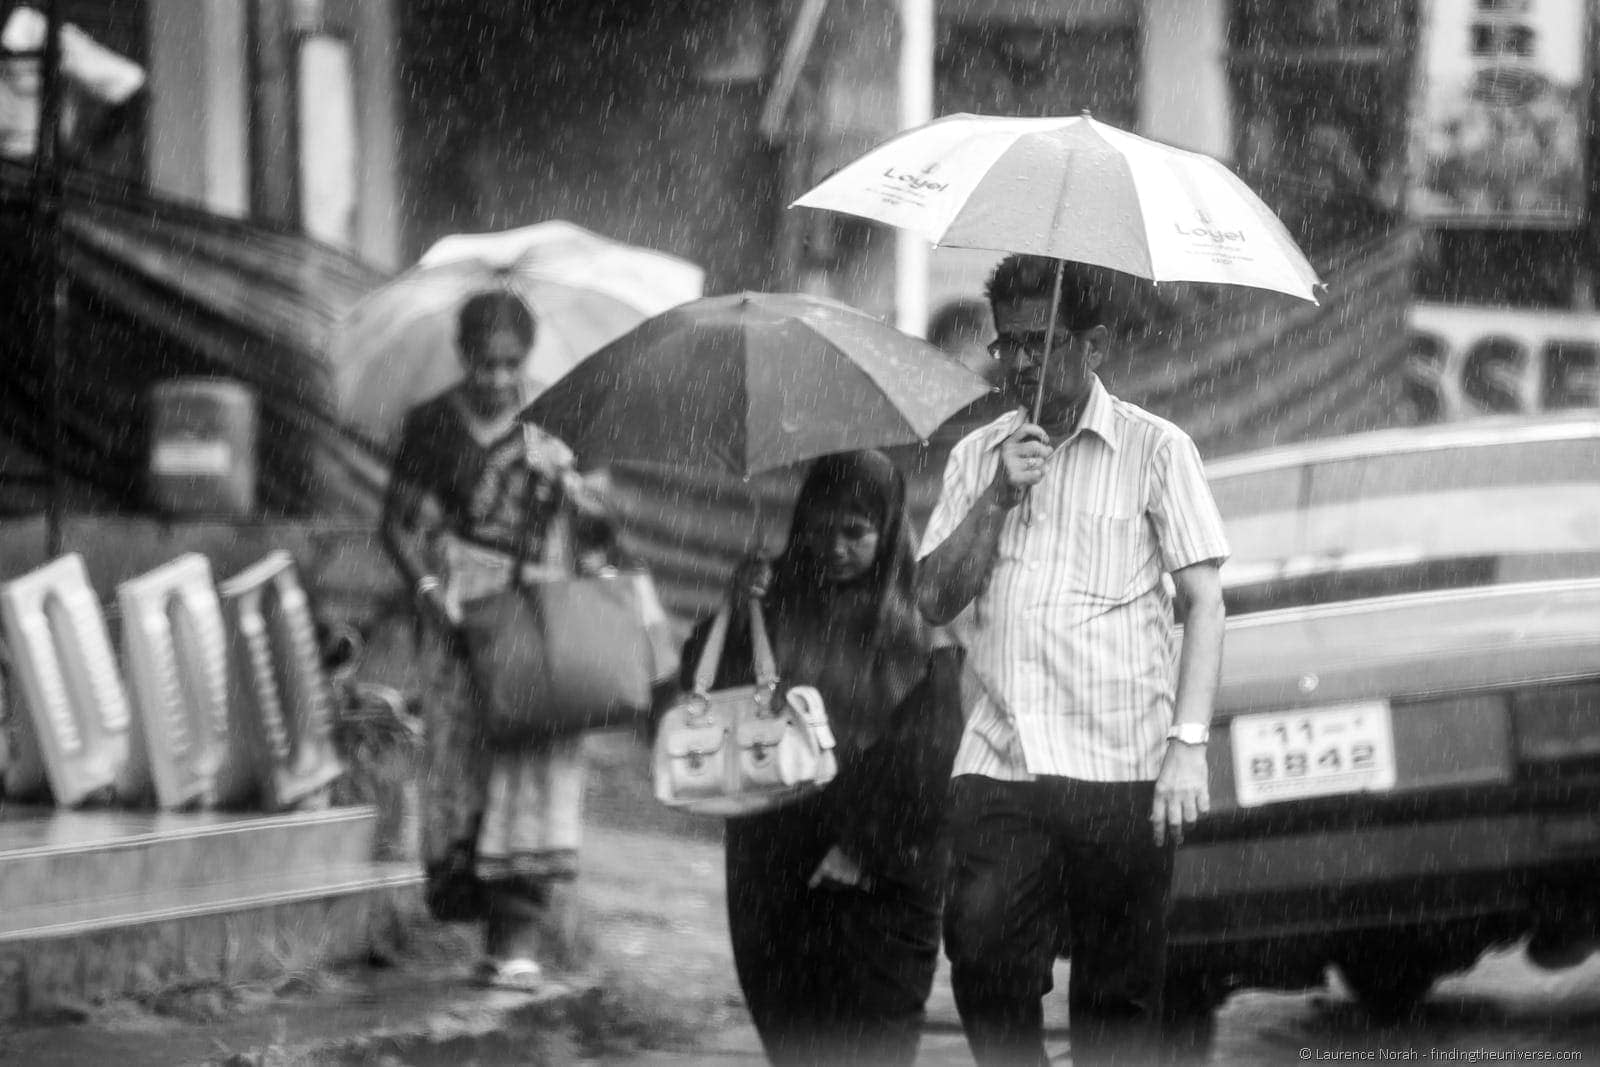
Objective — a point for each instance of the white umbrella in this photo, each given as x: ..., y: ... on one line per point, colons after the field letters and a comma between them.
x: 398, y: 345
x: 1071, y: 188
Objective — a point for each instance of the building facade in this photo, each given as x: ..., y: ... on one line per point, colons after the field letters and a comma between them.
x: 377, y: 126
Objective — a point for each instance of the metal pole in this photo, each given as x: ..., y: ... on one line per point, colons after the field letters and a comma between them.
x: 917, y: 33
x: 1049, y: 339
x: 51, y: 338
x: 791, y: 69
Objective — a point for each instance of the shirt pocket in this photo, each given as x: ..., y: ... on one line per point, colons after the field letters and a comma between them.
x: 1108, y: 555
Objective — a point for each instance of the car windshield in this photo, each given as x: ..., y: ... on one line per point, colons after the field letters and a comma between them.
x: 1407, y: 512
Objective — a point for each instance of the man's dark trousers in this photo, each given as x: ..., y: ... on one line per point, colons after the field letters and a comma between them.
x: 1049, y: 865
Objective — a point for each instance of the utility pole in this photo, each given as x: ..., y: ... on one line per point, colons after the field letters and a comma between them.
x: 48, y: 188
x: 912, y: 254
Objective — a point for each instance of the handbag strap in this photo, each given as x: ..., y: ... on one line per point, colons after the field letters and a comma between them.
x: 761, y: 647
x: 766, y: 666
x: 557, y: 537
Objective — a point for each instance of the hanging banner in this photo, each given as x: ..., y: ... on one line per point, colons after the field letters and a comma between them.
x: 1498, y: 132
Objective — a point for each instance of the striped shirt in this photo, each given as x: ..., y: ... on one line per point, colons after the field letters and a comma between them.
x: 1072, y: 640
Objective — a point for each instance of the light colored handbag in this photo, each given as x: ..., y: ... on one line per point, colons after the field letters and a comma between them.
x: 744, y: 750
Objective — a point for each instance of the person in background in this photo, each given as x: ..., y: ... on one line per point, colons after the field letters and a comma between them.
x: 961, y: 329
x: 500, y: 829
x: 1084, y: 755
x: 834, y: 900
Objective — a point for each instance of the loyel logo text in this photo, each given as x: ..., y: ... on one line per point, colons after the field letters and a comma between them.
x: 913, y: 182
x: 1217, y: 236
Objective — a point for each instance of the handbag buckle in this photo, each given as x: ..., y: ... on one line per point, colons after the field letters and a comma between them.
x: 697, y: 708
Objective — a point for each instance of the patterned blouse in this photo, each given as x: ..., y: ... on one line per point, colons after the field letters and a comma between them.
x: 501, y: 500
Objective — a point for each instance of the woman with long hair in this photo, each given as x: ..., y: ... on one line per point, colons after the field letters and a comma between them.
x: 834, y: 900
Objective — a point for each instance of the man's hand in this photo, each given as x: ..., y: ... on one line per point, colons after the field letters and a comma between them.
x: 837, y: 868
x: 1182, y: 793
x: 1022, y: 460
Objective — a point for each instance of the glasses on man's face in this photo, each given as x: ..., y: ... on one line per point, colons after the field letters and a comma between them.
x: 1011, y: 345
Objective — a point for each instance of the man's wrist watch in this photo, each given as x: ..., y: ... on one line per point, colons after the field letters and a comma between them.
x: 1189, y: 733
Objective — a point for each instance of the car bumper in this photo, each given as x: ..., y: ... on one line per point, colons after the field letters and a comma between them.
x: 1490, y: 857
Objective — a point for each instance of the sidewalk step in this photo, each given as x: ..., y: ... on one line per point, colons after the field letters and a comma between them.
x: 372, y: 1017
x: 135, y: 907
x: 84, y: 868
x: 104, y: 903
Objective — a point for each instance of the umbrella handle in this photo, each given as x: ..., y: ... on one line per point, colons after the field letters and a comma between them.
x: 1049, y: 340
x: 1044, y: 366
x: 758, y: 524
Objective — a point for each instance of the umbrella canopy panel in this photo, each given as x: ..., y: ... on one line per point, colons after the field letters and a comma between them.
x: 1067, y: 190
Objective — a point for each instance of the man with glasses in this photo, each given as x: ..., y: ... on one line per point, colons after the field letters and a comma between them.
x: 1084, y: 755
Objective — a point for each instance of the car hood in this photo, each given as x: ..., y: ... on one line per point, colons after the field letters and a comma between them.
x: 1412, y: 645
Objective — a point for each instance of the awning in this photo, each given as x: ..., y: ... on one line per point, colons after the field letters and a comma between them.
x: 160, y: 290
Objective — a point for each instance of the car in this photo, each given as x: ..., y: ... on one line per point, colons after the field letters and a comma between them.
x: 1405, y: 755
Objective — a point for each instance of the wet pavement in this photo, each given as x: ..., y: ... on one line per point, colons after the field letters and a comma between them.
x: 1504, y: 1010
x: 654, y: 903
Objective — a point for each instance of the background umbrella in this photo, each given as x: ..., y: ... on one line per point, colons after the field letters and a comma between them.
x: 397, y: 346
x: 751, y: 382
x: 1072, y: 188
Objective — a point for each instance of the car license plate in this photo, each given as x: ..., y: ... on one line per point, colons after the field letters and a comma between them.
x: 1346, y: 748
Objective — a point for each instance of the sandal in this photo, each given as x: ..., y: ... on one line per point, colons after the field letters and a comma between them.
x: 520, y: 975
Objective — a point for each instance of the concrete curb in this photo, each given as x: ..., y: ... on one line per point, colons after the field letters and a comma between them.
x: 376, y: 1014
x: 468, y: 1017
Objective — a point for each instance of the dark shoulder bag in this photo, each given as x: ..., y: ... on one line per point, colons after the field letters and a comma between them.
x: 562, y: 655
